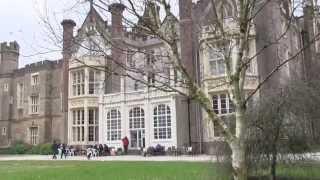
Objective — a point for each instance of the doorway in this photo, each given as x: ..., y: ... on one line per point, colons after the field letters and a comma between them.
x: 137, y: 138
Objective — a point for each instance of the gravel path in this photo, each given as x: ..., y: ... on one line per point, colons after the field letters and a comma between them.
x: 196, y: 158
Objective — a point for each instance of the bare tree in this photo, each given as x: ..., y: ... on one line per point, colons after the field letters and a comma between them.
x: 170, y: 69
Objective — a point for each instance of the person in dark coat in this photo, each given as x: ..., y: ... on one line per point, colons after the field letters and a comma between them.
x: 54, y: 150
x: 63, y: 151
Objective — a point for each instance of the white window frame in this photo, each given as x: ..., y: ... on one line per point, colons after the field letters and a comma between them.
x: 94, y: 82
x: 34, y: 104
x: 78, y: 82
x: 78, y: 125
x: 35, y: 79
x: 113, y: 123
x: 217, y: 59
x: 136, y: 118
x: 218, y: 104
x: 93, y: 125
x: 162, y: 122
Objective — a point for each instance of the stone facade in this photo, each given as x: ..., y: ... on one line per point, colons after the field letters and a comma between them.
x: 31, y: 104
x: 72, y: 102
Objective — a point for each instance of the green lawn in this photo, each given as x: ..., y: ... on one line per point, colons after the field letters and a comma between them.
x: 92, y: 170
x: 86, y: 170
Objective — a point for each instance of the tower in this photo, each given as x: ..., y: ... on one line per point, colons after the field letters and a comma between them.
x: 9, y: 55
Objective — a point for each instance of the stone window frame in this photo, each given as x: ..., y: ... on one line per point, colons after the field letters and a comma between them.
x: 4, y: 131
x: 20, y: 95
x: 162, y: 122
x: 34, y: 135
x: 35, y: 79
x: 5, y: 87
x: 34, y: 105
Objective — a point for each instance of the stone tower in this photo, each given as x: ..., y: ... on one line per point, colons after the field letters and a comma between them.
x: 9, y: 55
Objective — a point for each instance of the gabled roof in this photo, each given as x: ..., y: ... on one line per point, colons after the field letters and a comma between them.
x: 93, y: 18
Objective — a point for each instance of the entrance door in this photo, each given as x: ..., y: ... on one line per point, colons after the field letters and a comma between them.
x: 137, y: 138
x: 136, y: 125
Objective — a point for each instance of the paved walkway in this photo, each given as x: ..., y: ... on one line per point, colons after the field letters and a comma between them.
x: 198, y: 158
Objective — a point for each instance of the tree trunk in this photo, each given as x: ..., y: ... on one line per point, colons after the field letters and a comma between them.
x: 239, y: 161
x: 273, y: 162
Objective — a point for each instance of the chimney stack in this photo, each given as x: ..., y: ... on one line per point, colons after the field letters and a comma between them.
x: 115, y: 81
x: 68, y: 26
x: 116, y: 10
x: 186, y: 36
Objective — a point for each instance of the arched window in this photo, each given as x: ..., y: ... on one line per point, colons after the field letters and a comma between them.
x: 113, y: 125
x: 162, y: 122
x: 136, y: 118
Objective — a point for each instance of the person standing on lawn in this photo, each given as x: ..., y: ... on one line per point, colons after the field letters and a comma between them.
x: 125, y: 142
x: 54, y: 150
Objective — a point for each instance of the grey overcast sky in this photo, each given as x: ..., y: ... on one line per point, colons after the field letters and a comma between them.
x: 21, y: 22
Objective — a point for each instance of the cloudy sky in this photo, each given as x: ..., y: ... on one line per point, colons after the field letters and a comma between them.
x: 21, y: 20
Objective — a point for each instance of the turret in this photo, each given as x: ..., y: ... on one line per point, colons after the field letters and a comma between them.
x: 9, y: 56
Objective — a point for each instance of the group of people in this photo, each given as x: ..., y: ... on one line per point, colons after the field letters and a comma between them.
x: 62, y: 150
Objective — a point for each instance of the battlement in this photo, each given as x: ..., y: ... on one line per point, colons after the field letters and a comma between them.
x: 44, y: 63
x: 9, y: 47
x: 38, y: 66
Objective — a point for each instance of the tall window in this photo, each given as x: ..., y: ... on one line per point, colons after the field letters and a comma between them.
x: 113, y: 125
x: 4, y: 131
x: 34, y: 79
x: 136, y: 118
x: 93, y: 128
x: 78, y: 125
x: 78, y: 83
x: 34, y: 105
x: 150, y: 63
x: 226, y: 10
x: 216, y: 63
x: 222, y: 104
x: 33, y: 135
x: 162, y: 122
x: 94, y: 78
x: 5, y: 87
x: 20, y: 91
